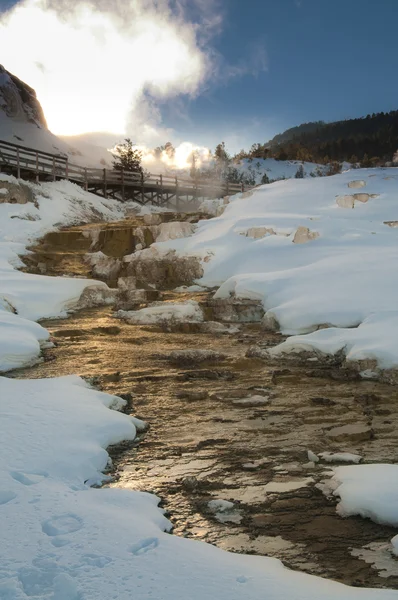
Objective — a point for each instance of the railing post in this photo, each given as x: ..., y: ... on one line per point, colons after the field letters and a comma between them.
x: 227, y: 187
x: 243, y: 187
x: 105, y: 190
x: 177, y: 197
x: 37, y: 167
x: 160, y: 201
x: 85, y: 179
x: 122, y: 173
x: 142, y: 188
x: 18, y: 165
x: 67, y: 169
x: 53, y: 168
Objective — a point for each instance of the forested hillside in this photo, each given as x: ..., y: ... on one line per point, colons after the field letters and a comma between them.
x: 370, y: 140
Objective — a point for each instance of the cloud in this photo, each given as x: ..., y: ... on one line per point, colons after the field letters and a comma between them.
x: 104, y: 66
x: 252, y: 63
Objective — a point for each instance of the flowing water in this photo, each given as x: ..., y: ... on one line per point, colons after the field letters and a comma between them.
x: 233, y: 428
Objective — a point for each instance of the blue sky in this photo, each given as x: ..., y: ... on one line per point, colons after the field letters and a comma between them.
x: 284, y: 62
x: 326, y: 60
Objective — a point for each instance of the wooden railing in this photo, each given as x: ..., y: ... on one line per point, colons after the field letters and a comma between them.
x: 20, y: 159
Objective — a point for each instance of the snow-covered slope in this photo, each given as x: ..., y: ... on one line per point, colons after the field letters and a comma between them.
x: 317, y: 251
x: 277, y: 169
x: 22, y: 122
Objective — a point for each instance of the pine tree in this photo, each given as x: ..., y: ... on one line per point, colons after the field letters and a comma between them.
x: 193, y: 171
x: 300, y: 172
x: 264, y: 179
x: 222, y: 159
x: 127, y: 157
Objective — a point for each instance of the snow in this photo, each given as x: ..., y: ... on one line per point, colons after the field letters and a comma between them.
x: 346, y: 457
x: 24, y: 297
x: 277, y: 169
x: 370, y: 491
x: 314, y: 264
x: 160, y: 312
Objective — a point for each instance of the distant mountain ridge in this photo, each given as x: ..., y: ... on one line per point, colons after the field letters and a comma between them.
x: 374, y: 137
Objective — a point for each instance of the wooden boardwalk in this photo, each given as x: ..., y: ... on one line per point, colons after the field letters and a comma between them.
x: 30, y: 164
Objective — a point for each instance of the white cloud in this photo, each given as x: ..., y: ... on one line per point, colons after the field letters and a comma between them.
x: 102, y: 67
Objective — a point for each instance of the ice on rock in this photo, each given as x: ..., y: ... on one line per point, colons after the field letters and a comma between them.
x: 312, y: 457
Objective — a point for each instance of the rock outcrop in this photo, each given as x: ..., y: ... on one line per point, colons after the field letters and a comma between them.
x: 18, y: 100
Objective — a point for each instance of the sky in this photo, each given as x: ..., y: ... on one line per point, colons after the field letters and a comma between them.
x: 202, y: 70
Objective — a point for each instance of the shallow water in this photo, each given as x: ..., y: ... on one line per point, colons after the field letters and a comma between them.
x: 207, y: 441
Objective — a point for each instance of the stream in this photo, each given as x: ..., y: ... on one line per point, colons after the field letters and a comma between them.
x: 231, y: 428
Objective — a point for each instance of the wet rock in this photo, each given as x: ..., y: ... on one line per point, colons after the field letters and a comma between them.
x: 345, y: 201
x: 259, y: 232
x: 104, y: 267
x: 355, y: 432
x: 319, y: 401
x: 92, y: 296
x: 152, y: 219
x: 192, y: 396
x: 358, y: 183
x: 190, y: 483
x: 130, y: 299
x: 270, y: 322
x: 232, y: 310
x: 69, y: 333
x: 15, y: 193
x: 391, y: 223
x: 208, y: 374
x: 304, y: 235
x: 164, y: 313
x: 166, y: 270
x: 363, y: 197
x: 218, y: 328
x: 252, y: 401
x: 183, y: 357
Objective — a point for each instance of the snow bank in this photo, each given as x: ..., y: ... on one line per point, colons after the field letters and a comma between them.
x: 62, y: 540
x: 370, y: 491
x: 25, y: 297
x: 311, y: 261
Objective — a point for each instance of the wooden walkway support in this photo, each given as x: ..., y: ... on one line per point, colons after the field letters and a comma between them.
x: 36, y: 165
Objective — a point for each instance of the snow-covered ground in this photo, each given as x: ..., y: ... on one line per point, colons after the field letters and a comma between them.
x: 317, y: 252
x: 277, y: 169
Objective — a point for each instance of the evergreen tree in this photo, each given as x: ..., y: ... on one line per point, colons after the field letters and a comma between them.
x: 222, y: 159
x: 193, y: 171
x: 127, y: 157
x: 300, y: 172
x: 264, y: 179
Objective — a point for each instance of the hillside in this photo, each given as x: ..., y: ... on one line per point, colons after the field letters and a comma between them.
x: 22, y: 122
x: 372, y: 140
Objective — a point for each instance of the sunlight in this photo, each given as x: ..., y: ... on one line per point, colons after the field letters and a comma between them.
x: 90, y: 70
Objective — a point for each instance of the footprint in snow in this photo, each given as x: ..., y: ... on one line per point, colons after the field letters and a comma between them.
x: 28, y: 478
x: 6, y: 496
x: 62, y: 524
x: 144, y: 546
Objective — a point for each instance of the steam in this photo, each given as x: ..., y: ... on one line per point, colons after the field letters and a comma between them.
x: 179, y: 159
x: 97, y: 68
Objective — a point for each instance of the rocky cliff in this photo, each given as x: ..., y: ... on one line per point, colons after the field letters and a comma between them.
x: 18, y: 100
